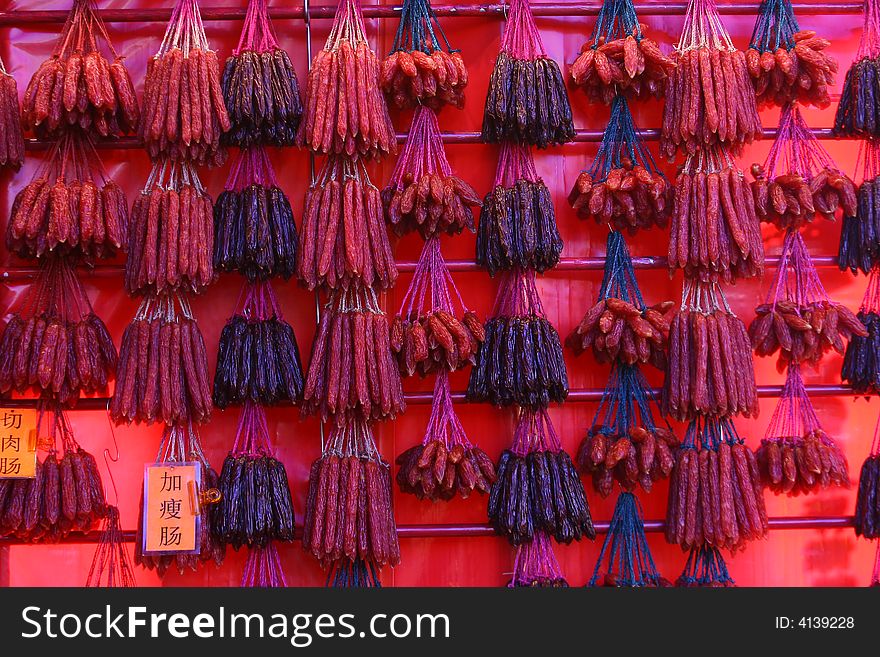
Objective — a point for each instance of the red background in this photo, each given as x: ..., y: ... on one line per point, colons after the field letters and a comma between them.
x: 786, y: 558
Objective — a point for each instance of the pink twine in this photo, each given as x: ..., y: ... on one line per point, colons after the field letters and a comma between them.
x: 252, y: 166
x: 521, y: 37
x: 257, y: 33
x: 444, y: 424
x: 794, y: 415
x: 703, y: 27
x: 534, y: 433
x: 185, y: 29
x: 348, y: 25
x: 423, y: 151
x: 257, y: 301
x: 796, y: 278
x: 703, y: 297
x: 431, y: 275
x: 871, y: 300
x: 353, y: 439
x: 518, y: 295
x: 515, y: 163
x: 796, y: 149
x: 868, y: 160
x: 252, y: 434
x: 536, y: 561
x: 869, y: 44
x: 263, y: 568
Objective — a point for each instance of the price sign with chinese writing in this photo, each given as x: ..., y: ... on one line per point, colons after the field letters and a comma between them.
x: 18, y: 443
x: 171, y: 507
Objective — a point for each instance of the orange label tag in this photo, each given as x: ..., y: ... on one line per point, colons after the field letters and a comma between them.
x: 171, y: 519
x: 18, y: 443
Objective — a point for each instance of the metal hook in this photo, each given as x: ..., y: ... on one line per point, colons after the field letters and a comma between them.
x: 114, y: 459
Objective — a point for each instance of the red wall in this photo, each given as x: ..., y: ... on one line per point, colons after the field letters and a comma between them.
x: 786, y: 558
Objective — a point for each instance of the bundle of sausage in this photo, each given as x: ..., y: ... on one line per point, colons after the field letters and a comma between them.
x: 536, y: 565
x: 345, y: 111
x: 799, y: 180
x: 69, y: 206
x: 258, y: 357
x: 349, y: 512
x: 861, y: 361
x: 517, y: 221
x: 184, y: 113
x: 254, y: 231
x: 163, y: 366
x: 858, y: 114
x: 710, y: 369
x: 352, y: 372
x: 78, y: 86
x: 445, y: 463
x: 172, y: 233
x: 11, y: 139
x: 424, y: 194
x: 527, y: 102
x: 788, y: 64
x: 705, y: 567
x: 343, y: 237
x: 623, y: 187
x: 709, y: 95
x: 65, y: 494
x: 625, y: 444
x: 255, y: 505
x: 537, y: 486
x: 426, y: 334
x: 715, y: 493
x: 629, y: 560
x: 867, y: 515
x: 798, y: 319
x: 860, y: 233
x: 259, y: 86
x: 419, y: 71
x: 182, y: 443
x: 55, y: 344
x: 715, y: 232
x: 619, y: 58
x: 797, y: 456
x: 620, y: 327
x: 520, y: 362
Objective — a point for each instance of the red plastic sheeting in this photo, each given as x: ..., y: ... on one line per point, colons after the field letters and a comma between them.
x: 794, y: 557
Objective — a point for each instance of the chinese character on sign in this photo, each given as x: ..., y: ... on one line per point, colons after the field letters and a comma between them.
x: 18, y: 448
x: 169, y: 536
x: 171, y: 509
x: 10, y: 443
x: 170, y: 483
x: 10, y: 467
x: 12, y: 420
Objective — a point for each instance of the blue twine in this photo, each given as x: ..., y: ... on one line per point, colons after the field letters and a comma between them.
x: 626, y: 402
x: 416, y: 29
x: 705, y: 566
x: 619, y: 276
x: 629, y: 557
x: 620, y: 139
x: 775, y: 27
x: 616, y: 19
x: 349, y: 574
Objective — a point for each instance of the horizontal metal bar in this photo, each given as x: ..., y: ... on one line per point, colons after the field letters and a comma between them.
x: 463, y: 137
x: 423, y: 398
x: 481, y: 530
x: 17, y: 274
x: 548, y: 9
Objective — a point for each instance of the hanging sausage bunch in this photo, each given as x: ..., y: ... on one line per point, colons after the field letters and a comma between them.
x: 623, y: 186
x: 258, y: 359
x: 709, y: 95
x: 860, y: 233
x: 163, y: 366
x: 520, y: 362
x: 77, y: 86
x: 715, y: 495
x: 517, y: 222
x: 255, y: 505
x: 422, y: 69
x: 867, y: 515
x: 424, y: 194
x: 788, y: 64
x: 625, y: 444
x: 629, y: 562
x: 54, y: 344
x: 705, y: 567
x: 344, y: 108
x: 65, y: 494
x: 797, y: 457
x: 537, y: 486
x: 181, y: 443
x: 799, y: 181
x: 184, y: 113
x: 620, y: 326
x: 69, y: 206
x: 858, y: 113
x: 798, y: 319
x: 861, y: 361
x: 260, y: 88
x: 349, y: 516
x: 618, y: 58
x: 11, y: 139
x: 527, y: 102
x: 536, y: 565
